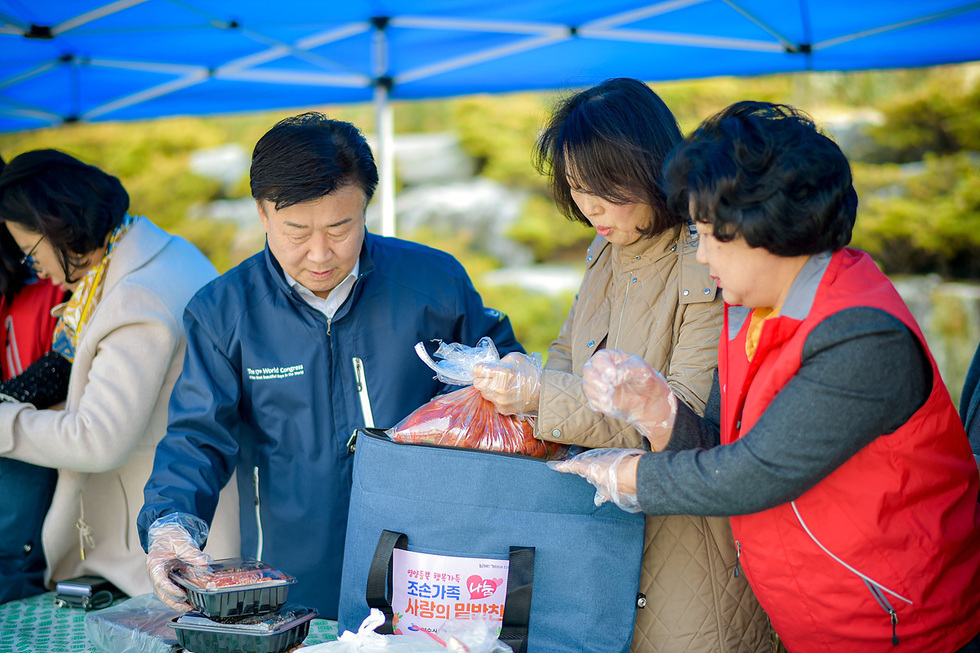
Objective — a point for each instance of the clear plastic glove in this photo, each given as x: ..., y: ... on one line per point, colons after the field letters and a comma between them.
x: 171, y: 546
x: 511, y: 385
x: 611, y: 471
x: 623, y: 386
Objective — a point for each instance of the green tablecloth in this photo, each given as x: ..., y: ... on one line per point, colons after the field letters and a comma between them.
x: 37, y: 625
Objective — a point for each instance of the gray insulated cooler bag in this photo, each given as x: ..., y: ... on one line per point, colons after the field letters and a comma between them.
x: 574, y: 568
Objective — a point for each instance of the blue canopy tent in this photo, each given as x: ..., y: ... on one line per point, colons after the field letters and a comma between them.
x: 88, y: 60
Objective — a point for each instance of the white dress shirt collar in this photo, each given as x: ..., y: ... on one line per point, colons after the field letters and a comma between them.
x: 336, y: 297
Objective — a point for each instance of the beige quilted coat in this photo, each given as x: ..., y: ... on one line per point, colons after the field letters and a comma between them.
x: 651, y: 298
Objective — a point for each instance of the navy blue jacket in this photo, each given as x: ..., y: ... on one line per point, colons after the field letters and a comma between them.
x: 269, y: 388
x: 970, y: 403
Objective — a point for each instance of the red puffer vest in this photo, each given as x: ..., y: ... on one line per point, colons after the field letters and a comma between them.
x: 886, y: 549
x: 28, y: 325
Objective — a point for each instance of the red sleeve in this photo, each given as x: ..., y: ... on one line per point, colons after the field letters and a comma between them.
x: 27, y: 326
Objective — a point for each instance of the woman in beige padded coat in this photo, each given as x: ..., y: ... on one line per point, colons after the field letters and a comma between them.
x: 643, y: 293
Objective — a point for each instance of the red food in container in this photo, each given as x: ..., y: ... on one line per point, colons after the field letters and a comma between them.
x: 234, y: 587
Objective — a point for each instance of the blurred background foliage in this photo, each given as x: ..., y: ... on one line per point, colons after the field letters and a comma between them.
x: 913, y: 137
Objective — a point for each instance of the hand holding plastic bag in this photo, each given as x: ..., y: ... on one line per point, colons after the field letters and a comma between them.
x: 463, y: 418
x: 457, y: 361
x: 171, y: 546
x: 512, y: 385
x: 611, y: 471
x: 625, y: 387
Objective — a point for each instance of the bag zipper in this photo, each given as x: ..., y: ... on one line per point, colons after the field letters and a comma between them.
x: 383, y: 435
x: 258, y: 514
x: 738, y: 559
x: 877, y: 589
x: 886, y: 606
x: 362, y: 392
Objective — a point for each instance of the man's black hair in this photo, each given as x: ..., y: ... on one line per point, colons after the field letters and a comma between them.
x: 309, y: 156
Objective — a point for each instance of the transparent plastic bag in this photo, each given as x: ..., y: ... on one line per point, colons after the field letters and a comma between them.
x: 455, y: 636
x: 365, y: 640
x: 137, y: 625
x: 463, y: 418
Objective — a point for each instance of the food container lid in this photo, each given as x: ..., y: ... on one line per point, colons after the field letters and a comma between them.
x: 260, y: 625
x: 230, y: 575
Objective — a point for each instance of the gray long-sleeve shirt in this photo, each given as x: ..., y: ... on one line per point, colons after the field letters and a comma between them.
x: 863, y: 374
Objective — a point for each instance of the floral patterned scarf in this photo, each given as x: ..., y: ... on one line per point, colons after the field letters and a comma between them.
x: 85, y: 298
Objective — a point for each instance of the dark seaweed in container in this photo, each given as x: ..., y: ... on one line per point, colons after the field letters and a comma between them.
x: 269, y: 633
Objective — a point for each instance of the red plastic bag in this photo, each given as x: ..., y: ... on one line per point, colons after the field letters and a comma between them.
x: 463, y: 418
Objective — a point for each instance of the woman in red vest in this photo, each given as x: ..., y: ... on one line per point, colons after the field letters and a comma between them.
x: 829, y: 438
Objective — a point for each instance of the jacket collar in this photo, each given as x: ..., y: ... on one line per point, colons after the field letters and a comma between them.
x: 799, y: 299
x: 644, y: 250
x: 142, y: 242
x: 649, y: 250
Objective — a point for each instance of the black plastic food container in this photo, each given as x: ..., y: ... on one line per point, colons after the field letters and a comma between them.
x: 270, y: 633
x: 235, y: 587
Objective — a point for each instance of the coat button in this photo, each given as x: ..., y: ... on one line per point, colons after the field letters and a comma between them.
x: 591, y: 343
x: 556, y: 433
x: 707, y: 291
x: 687, y: 292
x: 641, y: 600
x: 28, y: 548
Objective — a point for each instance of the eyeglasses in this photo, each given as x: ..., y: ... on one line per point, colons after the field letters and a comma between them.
x: 29, y: 256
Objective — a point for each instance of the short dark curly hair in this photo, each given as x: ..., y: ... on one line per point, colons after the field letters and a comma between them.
x: 616, y: 136
x: 764, y: 172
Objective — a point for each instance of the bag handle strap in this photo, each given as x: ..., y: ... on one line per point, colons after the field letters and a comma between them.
x: 517, y: 608
x: 379, y: 577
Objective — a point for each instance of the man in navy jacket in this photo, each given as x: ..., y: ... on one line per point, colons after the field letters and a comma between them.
x: 289, y: 353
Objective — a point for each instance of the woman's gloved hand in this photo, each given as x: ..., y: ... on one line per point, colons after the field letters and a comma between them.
x: 171, y: 546
x: 624, y: 387
x: 611, y: 471
x: 511, y: 385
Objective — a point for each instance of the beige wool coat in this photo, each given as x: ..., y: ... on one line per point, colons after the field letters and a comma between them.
x: 651, y: 298
x: 102, y: 443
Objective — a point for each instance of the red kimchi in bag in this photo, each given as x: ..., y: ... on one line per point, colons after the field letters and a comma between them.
x: 463, y: 418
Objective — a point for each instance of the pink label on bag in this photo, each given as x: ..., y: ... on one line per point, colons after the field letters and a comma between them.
x: 429, y: 590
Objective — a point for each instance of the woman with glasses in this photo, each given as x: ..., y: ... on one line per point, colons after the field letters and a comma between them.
x: 121, y: 333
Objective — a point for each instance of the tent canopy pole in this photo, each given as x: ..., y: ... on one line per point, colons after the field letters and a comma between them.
x: 384, y: 124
